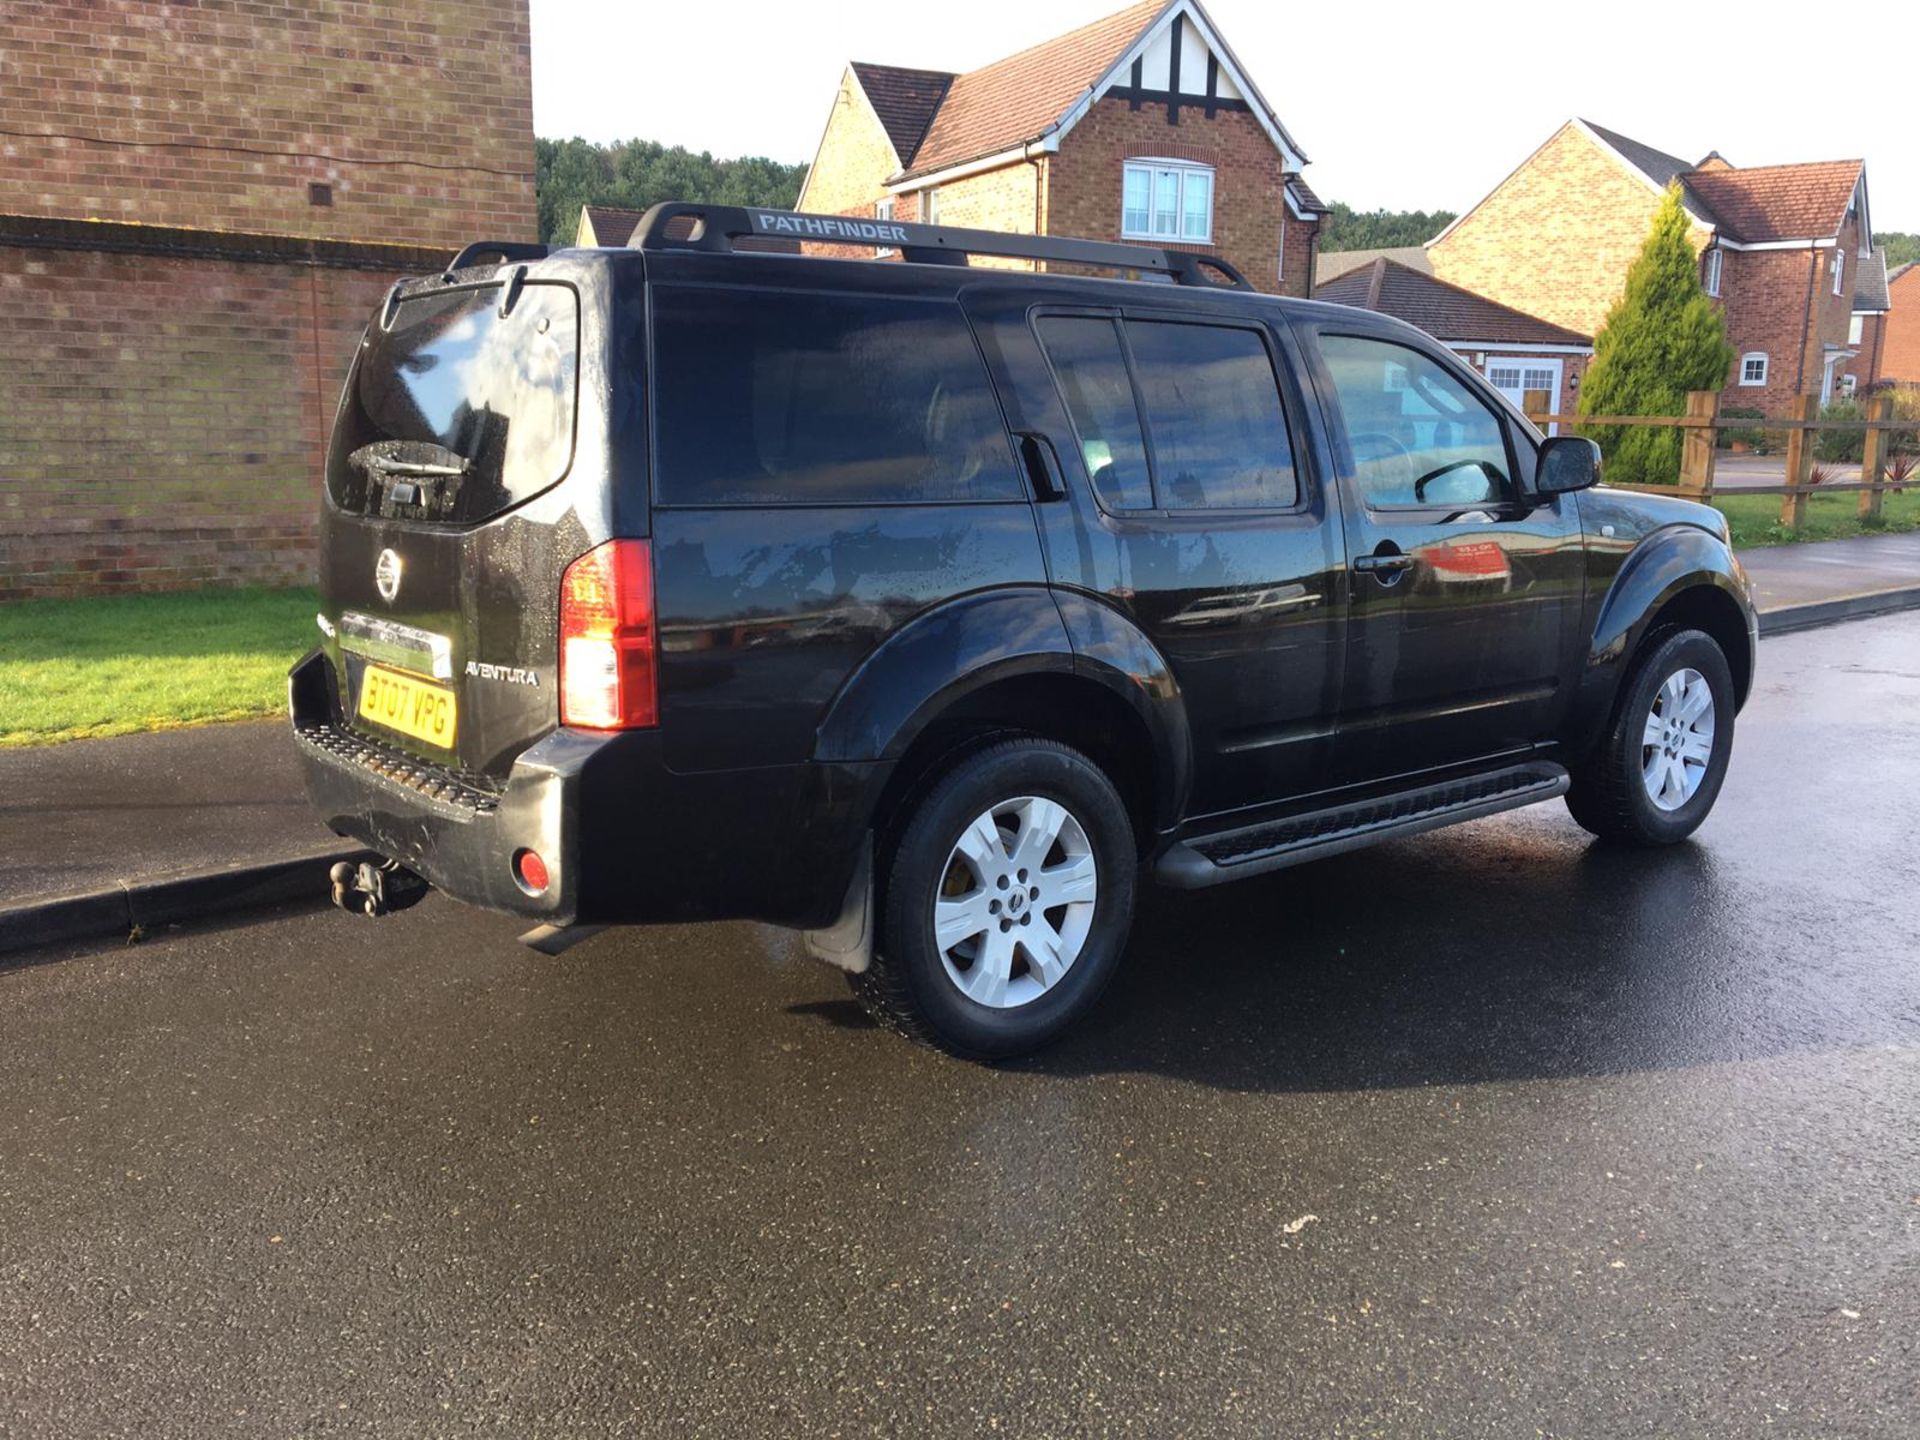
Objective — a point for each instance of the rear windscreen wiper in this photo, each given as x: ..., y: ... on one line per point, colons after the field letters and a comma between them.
x: 389, y: 465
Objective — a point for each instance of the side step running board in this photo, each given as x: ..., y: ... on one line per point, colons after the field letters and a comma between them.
x: 1276, y: 844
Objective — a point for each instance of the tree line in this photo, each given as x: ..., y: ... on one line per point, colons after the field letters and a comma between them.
x: 634, y: 174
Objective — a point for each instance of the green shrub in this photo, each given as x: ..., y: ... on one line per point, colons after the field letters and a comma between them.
x: 1836, y: 446
x: 1661, y: 339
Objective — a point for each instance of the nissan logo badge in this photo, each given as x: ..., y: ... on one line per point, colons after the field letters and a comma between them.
x: 386, y: 575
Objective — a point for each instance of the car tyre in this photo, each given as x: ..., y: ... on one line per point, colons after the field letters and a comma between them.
x: 1654, y: 776
x: 1005, y: 902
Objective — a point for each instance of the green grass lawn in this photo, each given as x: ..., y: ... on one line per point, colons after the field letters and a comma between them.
x: 1755, y: 519
x: 71, y: 669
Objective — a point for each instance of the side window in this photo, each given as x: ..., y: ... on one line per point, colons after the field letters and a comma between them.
x: 1418, y: 436
x: 1086, y: 356
x: 771, y: 398
x: 1213, y: 410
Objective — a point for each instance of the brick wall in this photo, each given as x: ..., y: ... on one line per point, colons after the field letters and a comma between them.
x: 166, y: 418
x: 218, y: 115
x: 1556, y: 238
x: 1900, y: 352
x: 1084, y: 185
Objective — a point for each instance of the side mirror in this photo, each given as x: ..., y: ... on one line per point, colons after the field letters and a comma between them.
x: 1567, y: 462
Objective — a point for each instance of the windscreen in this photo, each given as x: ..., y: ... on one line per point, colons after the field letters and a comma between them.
x: 454, y: 411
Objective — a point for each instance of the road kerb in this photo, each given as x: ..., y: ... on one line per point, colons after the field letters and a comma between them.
x: 1785, y: 619
x: 167, y: 900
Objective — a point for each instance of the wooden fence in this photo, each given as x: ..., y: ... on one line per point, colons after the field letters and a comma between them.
x: 1703, y: 424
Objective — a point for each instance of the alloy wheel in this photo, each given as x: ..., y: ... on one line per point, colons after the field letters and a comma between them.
x: 1015, y: 902
x: 1676, y: 743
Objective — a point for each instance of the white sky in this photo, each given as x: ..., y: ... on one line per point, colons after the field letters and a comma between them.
x: 1407, y: 106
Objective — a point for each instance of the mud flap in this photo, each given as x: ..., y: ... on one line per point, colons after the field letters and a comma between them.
x: 847, y: 944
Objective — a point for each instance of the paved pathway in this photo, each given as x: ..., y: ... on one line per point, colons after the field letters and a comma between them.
x: 1825, y: 570
x: 95, y: 813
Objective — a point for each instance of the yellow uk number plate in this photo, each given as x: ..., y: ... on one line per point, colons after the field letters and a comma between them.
x: 408, y: 704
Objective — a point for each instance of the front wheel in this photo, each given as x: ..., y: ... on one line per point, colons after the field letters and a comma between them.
x: 1656, y: 773
x: 1007, y: 900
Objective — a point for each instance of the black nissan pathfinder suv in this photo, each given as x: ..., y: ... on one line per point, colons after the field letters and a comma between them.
x: 928, y: 607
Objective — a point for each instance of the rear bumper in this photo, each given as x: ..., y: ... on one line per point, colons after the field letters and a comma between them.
x: 626, y: 840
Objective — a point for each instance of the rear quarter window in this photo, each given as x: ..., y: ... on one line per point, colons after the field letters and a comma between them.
x: 774, y: 398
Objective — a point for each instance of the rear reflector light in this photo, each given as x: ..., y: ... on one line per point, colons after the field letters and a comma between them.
x: 531, y: 871
x: 607, y: 679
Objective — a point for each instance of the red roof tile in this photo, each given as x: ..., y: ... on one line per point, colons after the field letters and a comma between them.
x: 1019, y: 98
x: 1778, y: 202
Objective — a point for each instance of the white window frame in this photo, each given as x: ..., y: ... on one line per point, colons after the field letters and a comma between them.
x: 1849, y: 385
x: 1839, y: 270
x: 930, y: 205
x: 1716, y: 257
x: 883, y: 210
x: 1856, y: 328
x: 1746, y: 360
x: 1185, y: 168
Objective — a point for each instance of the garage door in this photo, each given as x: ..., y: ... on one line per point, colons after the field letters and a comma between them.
x: 1513, y: 376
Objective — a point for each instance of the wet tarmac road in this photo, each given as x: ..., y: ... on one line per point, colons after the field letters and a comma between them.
x: 1487, y: 1133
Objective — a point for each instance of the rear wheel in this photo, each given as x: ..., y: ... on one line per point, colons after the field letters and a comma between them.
x: 1006, y: 902
x: 1655, y: 775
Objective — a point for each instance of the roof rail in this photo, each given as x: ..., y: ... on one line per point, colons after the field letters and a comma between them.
x: 714, y: 228
x: 507, y: 250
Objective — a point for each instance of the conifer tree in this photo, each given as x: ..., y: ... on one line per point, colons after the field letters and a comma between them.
x: 1663, y: 337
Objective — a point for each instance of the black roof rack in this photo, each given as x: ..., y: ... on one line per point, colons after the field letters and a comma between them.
x: 715, y: 228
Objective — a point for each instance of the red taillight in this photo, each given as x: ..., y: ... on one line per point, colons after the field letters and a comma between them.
x: 606, y: 639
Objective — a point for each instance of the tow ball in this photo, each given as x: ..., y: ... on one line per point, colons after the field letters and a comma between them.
x: 375, y: 888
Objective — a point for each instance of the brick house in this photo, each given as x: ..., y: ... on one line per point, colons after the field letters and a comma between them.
x: 1515, y: 351
x: 1783, y: 247
x: 199, y: 207
x: 1895, y: 333
x: 1140, y: 126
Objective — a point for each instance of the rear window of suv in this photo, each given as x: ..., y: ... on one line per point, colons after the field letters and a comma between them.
x: 452, y: 385
x: 779, y: 398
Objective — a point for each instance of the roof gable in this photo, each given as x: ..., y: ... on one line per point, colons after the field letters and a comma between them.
x: 904, y: 100
x: 1037, y: 95
x: 1444, y: 311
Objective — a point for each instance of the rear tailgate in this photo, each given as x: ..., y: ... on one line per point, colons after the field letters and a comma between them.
x: 441, y: 546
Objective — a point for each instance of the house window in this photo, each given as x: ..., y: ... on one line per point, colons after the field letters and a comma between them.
x: 1715, y: 258
x: 1854, y: 329
x: 930, y: 205
x: 1166, y: 200
x: 1848, y: 385
x: 883, y: 210
x: 1753, y: 368
x: 1839, y: 269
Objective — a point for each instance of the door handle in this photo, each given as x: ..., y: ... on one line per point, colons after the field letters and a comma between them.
x: 1385, y: 564
x: 1043, y: 466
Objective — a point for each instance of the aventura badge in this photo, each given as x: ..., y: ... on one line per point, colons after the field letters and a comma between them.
x: 510, y: 674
